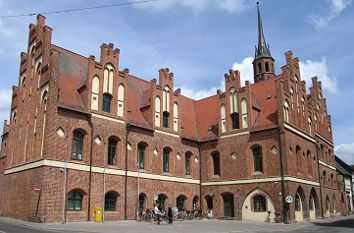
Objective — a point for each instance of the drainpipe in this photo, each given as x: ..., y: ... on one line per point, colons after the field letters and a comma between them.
x: 126, y: 172
x: 319, y: 180
x: 285, y: 205
x: 90, y: 172
x: 200, y: 177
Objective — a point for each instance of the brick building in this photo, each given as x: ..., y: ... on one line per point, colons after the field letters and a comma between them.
x: 90, y: 134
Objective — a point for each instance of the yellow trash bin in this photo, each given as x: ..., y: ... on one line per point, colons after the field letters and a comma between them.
x: 98, y: 214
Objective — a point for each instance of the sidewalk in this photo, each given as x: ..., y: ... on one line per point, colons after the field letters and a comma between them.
x: 187, y: 226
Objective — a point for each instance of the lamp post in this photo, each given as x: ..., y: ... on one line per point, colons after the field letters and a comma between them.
x: 61, y: 134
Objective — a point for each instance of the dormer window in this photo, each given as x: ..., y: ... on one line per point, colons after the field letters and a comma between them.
x: 106, y: 106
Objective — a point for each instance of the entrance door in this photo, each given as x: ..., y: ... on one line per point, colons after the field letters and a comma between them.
x: 229, y: 205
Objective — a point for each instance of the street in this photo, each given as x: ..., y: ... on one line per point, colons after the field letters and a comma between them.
x: 340, y: 224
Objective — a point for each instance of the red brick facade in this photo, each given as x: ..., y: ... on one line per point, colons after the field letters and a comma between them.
x: 55, y: 98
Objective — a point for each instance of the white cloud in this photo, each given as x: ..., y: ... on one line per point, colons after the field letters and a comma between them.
x: 336, y: 8
x: 310, y: 69
x: 6, y: 32
x: 345, y: 152
x: 233, y: 5
x: 197, y: 5
x: 246, y: 69
x: 4, y: 106
x: 197, y: 95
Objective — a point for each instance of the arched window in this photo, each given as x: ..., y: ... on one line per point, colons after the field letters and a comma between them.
x: 286, y: 111
x: 216, y: 163
x: 324, y: 178
x: 108, y: 77
x: 165, y: 116
x: 187, y: 164
x: 14, y: 116
x: 259, y: 203
x: 75, y: 201
x: 142, y: 202
x: 95, y: 93
x: 233, y: 100
x: 223, y: 118
x: 121, y: 100
x: 38, y: 71
x: 166, y: 99
x: 244, y: 113
x: 141, y: 155
x: 110, y: 201
x: 297, y: 202
x: 309, y: 122
x: 106, y: 106
x: 112, y: 151
x: 267, y: 66
x: 257, y: 159
x: 292, y: 96
x: 157, y: 111
x: 175, y: 117
x: 166, y: 159
x: 303, y: 105
x: 78, y: 142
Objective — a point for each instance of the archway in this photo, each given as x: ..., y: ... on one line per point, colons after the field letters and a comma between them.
x: 161, y: 201
x: 258, y: 206
x: 300, y: 205
x: 142, y: 201
x: 180, y: 202
x: 228, y: 205
x: 327, y: 209
x: 313, y: 205
x: 195, y: 203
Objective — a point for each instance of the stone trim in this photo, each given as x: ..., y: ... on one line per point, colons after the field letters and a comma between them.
x: 261, y: 180
x: 166, y: 133
x: 83, y: 167
x: 327, y: 165
x: 107, y: 118
x: 300, y: 133
x: 235, y: 134
x: 324, y: 139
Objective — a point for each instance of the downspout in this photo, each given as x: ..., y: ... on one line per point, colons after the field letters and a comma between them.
x: 200, y: 176
x: 126, y: 172
x: 319, y: 179
x: 90, y: 172
x: 285, y: 205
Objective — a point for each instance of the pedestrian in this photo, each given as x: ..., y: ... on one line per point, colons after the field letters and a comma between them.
x: 170, y: 215
x: 157, y: 213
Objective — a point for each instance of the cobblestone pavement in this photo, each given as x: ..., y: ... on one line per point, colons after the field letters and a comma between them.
x: 338, y: 224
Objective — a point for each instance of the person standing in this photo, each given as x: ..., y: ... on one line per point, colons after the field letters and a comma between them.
x: 158, y: 213
x: 170, y: 215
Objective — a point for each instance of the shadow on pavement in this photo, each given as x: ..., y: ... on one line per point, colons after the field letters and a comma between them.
x: 348, y: 223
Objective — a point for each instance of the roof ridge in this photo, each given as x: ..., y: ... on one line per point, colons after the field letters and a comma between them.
x: 67, y: 50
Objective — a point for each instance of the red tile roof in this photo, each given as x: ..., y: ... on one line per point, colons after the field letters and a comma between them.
x: 199, y: 119
x: 265, y: 99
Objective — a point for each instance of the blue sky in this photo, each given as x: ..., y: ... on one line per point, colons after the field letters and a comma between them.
x: 200, y: 40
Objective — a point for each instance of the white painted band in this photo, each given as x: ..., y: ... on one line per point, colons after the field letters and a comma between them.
x: 83, y: 167
x: 169, y: 134
x: 324, y: 139
x: 327, y: 165
x: 235, y: 135
x: 261, y: 180
x: 107, y: 118
x: 298, y: 132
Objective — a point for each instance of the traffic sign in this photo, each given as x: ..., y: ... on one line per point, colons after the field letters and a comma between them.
x: 37, y: 189
x: 289, y: 199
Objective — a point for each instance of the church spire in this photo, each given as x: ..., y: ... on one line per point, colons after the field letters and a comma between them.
x: 263, y: 64
x: 263, y: 48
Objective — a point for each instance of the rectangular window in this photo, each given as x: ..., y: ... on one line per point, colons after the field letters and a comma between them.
x: 112, y: 150
x: 235, y: 120
x: 141, y: 156
x: 165, y: 119
x: 216, y: 161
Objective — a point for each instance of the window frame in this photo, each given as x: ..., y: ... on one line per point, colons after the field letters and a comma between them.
x: 216, y: 164
x: 78, y: 146
x: 187, y: 164
x: 259, y: 203
x: 106, y: 102
x: 110, y: 201
x: 166, y: 160
x: 257, y: 154
x: 112, y: 151
x: 141, y: 155
x: 75, y: 200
